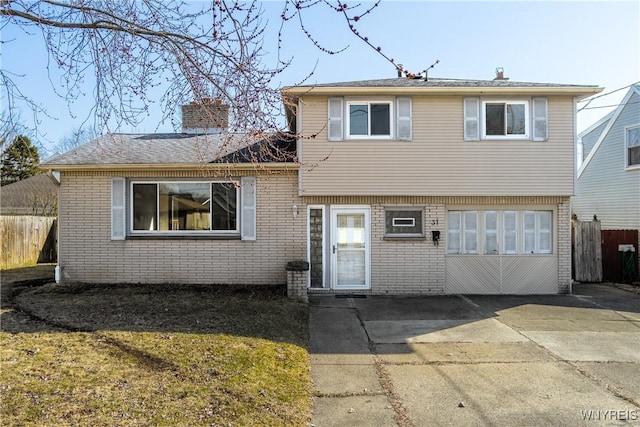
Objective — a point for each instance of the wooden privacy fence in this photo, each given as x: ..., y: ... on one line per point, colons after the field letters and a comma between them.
x: 587, y: 251
x: 27, y: 240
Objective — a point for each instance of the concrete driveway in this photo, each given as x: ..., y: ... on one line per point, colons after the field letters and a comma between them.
x: 477, y: 360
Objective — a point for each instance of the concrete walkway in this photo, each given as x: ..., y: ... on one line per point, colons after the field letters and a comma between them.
x: 478, y: 360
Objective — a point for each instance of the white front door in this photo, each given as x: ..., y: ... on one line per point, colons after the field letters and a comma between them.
x: 350, y: 248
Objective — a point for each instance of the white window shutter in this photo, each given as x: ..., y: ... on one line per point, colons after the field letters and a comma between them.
x: 403, y: 125
x: 471, y: 119
x: 540, y: 127
x: 118, y: 208
x: 248, y: 219
x: 336, y: 112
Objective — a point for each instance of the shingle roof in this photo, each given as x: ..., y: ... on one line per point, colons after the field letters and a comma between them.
x: 29, y: 196
x: 403, y: 82
x: 159, y: 148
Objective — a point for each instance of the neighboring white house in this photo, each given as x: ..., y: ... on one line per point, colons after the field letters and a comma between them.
x: 608, y: 180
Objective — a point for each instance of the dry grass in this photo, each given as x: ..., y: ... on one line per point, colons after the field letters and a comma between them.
x: 154, y: 355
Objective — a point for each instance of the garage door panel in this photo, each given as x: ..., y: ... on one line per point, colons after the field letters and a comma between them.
x: 473, y: 275
x: 530, y: 275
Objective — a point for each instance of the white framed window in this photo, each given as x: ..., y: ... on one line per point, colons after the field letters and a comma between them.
x: 462, y: 232
x: 491, y: 233
x: 632, y: 146
x: 509, y: 232
x: 500, y: 232
x: 370, y: 119
x: 505, y: 119
x: 536, y: 232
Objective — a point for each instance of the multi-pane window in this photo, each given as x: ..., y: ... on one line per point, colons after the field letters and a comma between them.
x: 500, y: 232
x: 633, y: 145
x: 184, y: 207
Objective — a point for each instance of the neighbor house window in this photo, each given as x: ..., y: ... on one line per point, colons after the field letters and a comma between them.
x: 633, y: 145
x: 499, y: 232
x: 403, y: 222
x: 184, y: 207
x: 369, y: 119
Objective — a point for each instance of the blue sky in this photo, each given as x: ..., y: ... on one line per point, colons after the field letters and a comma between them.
x: 576, y: 42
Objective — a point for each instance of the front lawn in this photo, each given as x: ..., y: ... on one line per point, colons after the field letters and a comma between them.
x: 154, y: 355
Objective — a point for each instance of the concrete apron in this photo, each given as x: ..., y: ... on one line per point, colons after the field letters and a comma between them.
x: 552, y: 360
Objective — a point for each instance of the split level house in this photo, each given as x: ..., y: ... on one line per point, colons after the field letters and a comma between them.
x: 608, y: 182
x: 392, y: 186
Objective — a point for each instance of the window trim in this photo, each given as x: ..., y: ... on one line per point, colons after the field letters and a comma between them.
x: 527, y: 119
x: 627, y: 148
x: 347, y: 115
x: 401, y: 210
x: 182, y: 233
x: 481, y: 230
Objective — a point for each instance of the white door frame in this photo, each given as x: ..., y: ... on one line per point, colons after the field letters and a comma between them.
x: 334, y: 247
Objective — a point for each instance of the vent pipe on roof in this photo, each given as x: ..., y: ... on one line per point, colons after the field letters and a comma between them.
x: 207, y: 116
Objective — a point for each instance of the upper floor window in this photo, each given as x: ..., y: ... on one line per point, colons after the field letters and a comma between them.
x: 632, y: 136
x: 505, y: 119
x: 369, y: 119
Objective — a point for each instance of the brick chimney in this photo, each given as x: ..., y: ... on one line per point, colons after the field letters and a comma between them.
x: 500, y: 74
x: 207, y: 116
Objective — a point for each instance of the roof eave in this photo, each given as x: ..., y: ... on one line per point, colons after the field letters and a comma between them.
x: 580, y: 92
x: 172, y: 166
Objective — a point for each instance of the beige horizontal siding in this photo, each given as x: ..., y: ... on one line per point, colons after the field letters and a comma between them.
x: 437, y: 161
